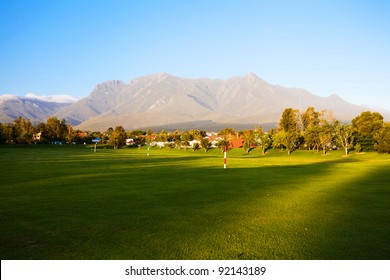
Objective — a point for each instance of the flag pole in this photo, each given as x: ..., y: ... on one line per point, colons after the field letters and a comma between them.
x: 224, y: 157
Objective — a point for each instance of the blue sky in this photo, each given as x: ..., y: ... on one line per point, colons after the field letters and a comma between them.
x: 67, y: 47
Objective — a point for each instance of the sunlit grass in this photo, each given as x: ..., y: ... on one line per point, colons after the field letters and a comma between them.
x: 72, y: 203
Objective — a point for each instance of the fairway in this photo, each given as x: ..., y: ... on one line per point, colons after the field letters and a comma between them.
x: 68, y: 202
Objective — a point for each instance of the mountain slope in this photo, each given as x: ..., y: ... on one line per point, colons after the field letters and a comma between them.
x: 37, y: 110
x: 102, y: 98
x: 161, y: 99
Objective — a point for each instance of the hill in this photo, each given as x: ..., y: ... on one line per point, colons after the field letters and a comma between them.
x: 170, y: 101
x: 164, y: 99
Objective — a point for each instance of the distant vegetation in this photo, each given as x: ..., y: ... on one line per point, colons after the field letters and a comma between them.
x: 309, y: 130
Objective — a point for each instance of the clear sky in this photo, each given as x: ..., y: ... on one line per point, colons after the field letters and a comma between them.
x: 68, y: 46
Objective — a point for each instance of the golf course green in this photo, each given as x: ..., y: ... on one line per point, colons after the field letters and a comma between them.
x: 69, y: 202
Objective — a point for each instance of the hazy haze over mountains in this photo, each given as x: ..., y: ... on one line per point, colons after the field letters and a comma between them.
x: 163, y: 99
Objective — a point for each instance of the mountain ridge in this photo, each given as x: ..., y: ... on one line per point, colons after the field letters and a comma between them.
x: 162, y: 99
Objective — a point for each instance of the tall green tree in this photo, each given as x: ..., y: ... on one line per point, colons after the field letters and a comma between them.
x: 118, y: 137
x: 249, y: 140
x: 23, y: 131
x: 279, y: 140
x: 205, y: 144
x: 312, y: 138
x: 263, y: 139
x: 290, y: 125
x: 55, y: 129
x: 383, y: 140
x: 365, y: 126
x: 310, y: 118
x: 5, y: 134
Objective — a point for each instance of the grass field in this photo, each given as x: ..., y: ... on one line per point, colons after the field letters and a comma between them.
x: 67, y: 202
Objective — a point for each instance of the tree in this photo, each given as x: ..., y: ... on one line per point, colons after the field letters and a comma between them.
x: 205, y: 144
x: 310, y: 118
x: 312, y: 139
x: 163, y: 136
x: 265, y: 142
x: 118, y: 137
x: 227, y: 133
x: 289, y: 124
x: 249, y: 140
x: 383, y: 140
x: 23, y: 131
x: 344, y: 134
x: 366, y: 125
x: 70, y: 135
x: 325, y: 137
x: 195, y: 134
x: 222, y: 144
x: 5, y: 134
x: 41, y: 128
x: 185, y: 138
x: 279, y: 140
x: 55, y: 129
x: 195, y: 146
x: 263, y: 139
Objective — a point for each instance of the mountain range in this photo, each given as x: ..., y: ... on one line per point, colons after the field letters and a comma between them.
x: 166, y: 101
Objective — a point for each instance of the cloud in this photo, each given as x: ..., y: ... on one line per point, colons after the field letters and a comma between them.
x: 4, y: 97
x: 61, y: 98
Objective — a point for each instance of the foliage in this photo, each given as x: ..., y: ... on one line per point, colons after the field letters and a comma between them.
x: 223, y: 144
x: 325, y: 136
x: 290, y: 131
x: 195, y: 146
x: 249, y: 140
x: 312, y: 139
x: 279, y: 140
x: 358, y: 148
x: 310, y: 118
x: 383, y: 140
x: 366, y: 125
x: 118, y: 137
x: 263, y: 139
x: 205, y: 144
x: 344, y: 133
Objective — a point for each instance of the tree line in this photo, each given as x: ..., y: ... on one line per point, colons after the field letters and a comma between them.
x: 315, y: 130
x: 311, y: 130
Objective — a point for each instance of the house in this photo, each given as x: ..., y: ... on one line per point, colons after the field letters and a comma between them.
x: 236, y: 142
x: 193, y: 142
x: 158, y: 144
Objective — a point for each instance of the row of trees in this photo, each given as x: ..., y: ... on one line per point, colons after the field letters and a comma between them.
x: 315, y: 130
x: 312, y: 130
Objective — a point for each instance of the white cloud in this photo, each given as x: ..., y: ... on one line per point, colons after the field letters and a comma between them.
x: 8, y: 96
x: 61, y: 98
x: 5, y: 97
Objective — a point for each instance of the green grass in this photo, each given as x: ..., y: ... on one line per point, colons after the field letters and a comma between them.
x: 68, y: 202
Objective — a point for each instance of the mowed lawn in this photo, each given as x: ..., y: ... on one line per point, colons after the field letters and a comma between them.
x: 67, y: 202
